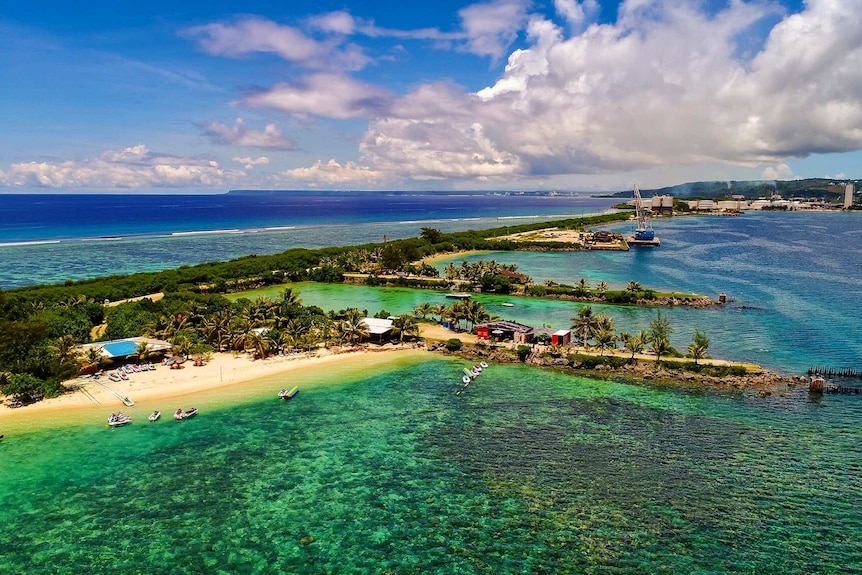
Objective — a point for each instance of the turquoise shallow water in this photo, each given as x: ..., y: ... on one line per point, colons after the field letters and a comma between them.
x: 794, y: 280
x: 528, y: 471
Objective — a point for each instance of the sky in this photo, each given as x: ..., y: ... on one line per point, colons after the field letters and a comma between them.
x: 446, y: 95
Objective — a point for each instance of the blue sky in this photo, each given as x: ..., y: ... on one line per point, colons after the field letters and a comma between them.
x: 500, y: 94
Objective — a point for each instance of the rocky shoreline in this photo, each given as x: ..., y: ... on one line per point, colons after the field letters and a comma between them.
x: 760, y: 381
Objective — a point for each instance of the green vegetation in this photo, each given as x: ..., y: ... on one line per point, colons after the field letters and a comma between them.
x: 42, y: 325
x: 453, y: 344
x: 34, y: 360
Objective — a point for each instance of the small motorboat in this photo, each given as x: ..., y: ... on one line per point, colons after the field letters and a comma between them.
x: 114, y: 376
x: 155, y: 415
x: 128, y: 402
x: 465, y: 380
x: 136, y: 367
x: 181, y: 414
x: 287, y: 394
x: 483, y: 365
x: 507, y: 304
x: 124, y: 375
x: 151, y: 367
x: 118, y: 419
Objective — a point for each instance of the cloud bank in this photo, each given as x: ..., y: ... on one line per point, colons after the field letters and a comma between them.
x: 663, y: 85
x: 135, y: 167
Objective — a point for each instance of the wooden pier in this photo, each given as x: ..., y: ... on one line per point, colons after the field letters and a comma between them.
x: 832, y: 380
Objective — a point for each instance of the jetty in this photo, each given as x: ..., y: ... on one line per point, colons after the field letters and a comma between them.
x: 834, y: 380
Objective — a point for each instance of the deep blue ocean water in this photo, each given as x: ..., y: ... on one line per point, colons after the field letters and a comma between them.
x: 52, y: 238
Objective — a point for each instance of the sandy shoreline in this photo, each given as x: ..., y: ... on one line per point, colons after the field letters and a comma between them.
x: 223, y: 374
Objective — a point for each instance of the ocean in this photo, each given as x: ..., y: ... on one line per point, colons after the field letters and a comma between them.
x: 386, y: 470
x: 51, y: 238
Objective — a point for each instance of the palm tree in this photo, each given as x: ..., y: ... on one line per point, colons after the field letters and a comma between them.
x: 601, y: 287
x: 438, y: 310
x: 584, y: 323
x: 289, y: 298
x: 605, y: 338
x: 634, y: 286
x: 699, y: 345
x: 455, y: 313
x: 660, y: 346
x: 216, y: 326
x: 258, y: 343
x: 66, y: 348
x: 582, y: 286
x: 353, y: 327
x: 423, y: 310
x: 474, y: 312
x: 143, y: 351
x: 450, y: 271
x: 403, y: 327
x: 604, y: 322
x: 633, y: 343
x: 324, y: 328
x: 180, y: 346
x: 307, y: 341
x: 275, y: 339
x: 94, y: 356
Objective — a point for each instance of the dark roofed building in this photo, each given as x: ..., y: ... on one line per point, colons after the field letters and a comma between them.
x: 521, y: 278
x: 509, y: 330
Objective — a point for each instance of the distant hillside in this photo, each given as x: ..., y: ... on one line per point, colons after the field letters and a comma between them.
x: 819, y: 187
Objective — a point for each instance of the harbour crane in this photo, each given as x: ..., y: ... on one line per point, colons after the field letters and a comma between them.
x: 644, y: 234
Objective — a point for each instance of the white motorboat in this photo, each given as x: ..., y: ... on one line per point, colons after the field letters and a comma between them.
x: 181, y: 414
x: 118, y: 419
x: 155, y: 415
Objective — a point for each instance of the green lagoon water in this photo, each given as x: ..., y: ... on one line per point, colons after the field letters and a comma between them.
x: 386, y: 470
x: 528, y: 471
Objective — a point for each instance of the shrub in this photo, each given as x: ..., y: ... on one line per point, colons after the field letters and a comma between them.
x: 593, y: 361
x: 453, y: 344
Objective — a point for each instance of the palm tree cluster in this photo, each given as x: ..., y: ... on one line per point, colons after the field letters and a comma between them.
x: 475, y: 271
x: 267, y: 326
x: 599, y: 329
x: 391, y: 257
x: 467, y: 310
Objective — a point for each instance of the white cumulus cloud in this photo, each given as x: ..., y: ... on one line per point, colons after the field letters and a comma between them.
x: 333, y: 174
x: 134, y: 167
x: 665, y: 85
x: 327, y: 95
x: 779, y: 171
x: 491, y: 27
x: 257, y: 35
x: 240, y: 135
x: 250, y: 163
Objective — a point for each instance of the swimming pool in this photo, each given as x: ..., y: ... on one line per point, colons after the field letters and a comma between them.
x: 121, y: 348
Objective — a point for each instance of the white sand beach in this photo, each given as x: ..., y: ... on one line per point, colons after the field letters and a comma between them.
x: 223, y: 371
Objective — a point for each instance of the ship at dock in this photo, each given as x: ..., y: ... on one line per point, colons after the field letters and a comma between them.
x: 644, y: 235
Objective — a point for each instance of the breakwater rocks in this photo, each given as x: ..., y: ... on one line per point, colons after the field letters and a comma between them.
x: 728, y: 377
x: 697, y: 302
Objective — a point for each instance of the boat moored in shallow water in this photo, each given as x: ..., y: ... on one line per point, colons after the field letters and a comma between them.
x: 155, y: 415
x: 287, y: 394
x: 118, y: 419
x: 181, y: 414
